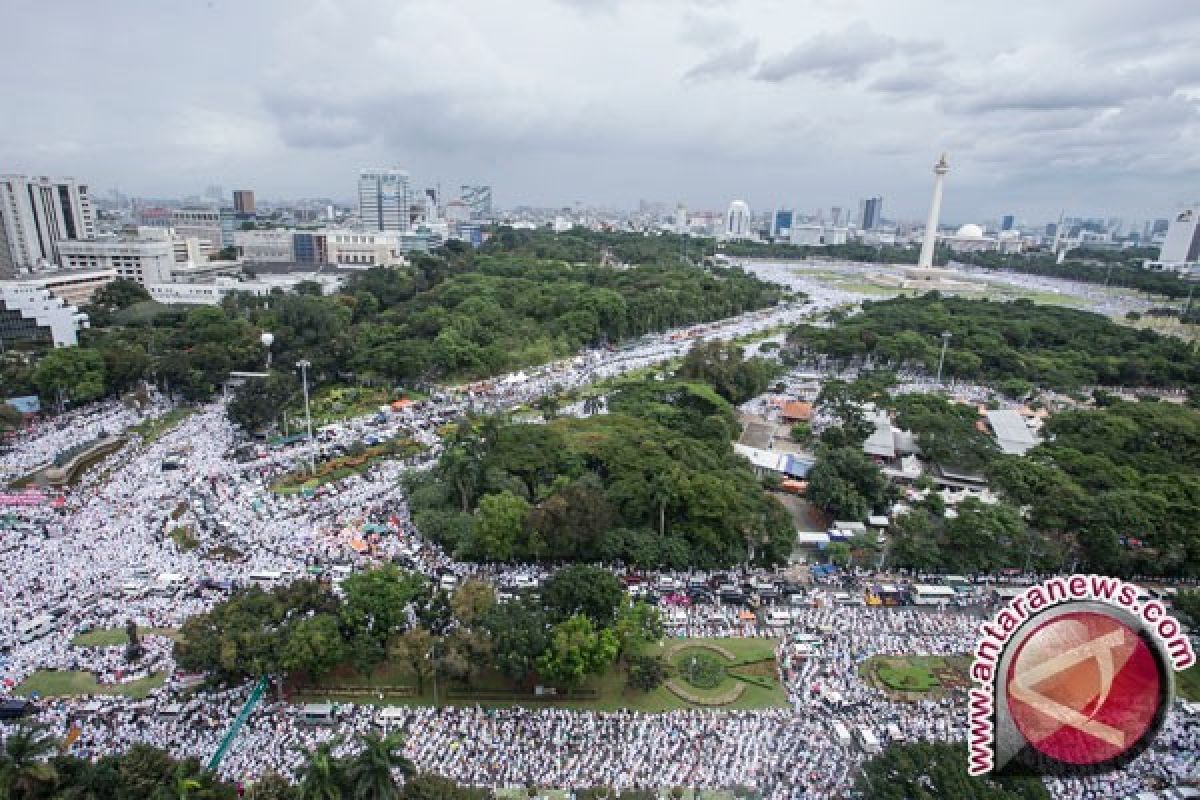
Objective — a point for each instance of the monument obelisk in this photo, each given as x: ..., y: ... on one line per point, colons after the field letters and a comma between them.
x: 935, y: 208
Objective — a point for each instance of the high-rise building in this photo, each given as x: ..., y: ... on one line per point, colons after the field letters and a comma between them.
x: 1182, y: 244
x: 1006, y: 223
x: 243, y: 201
x: 870, y: 213
x: 737, y: 220
x: 781, y: 223
x: 8, y: 268
x: 479, y: 200
x: 836, y: 216
x: 40, y: 212
x: 384, y: 198
x: 681, y: 219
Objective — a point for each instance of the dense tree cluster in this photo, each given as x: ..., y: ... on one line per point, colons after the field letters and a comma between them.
x: 928, y: 770
x: 946, y: 432
x: 847, y: 485
x: 1053, y: 347
x: 654, y: 483
x: 722, y: 366
x: 581, y: 624
x: 458, y: 314
x: 1119, y: 486
x: 31, y: 768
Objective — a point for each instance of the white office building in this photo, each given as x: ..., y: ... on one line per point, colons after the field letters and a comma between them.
x: 198, y: 223
x: 31, y: 313
x: 143, y: 262
x: 38, y: 213
x: 737, y: 220
x: 384, y: 199
x: 265, y: 246
x: 1181, y: 249
x: 211, y: 293
x: 809, y: 235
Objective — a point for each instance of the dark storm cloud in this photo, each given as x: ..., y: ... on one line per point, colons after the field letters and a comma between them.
x: 839, y: 56
x: 725, y: 63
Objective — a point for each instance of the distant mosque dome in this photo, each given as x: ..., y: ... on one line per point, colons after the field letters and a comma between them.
x: 969, y: 231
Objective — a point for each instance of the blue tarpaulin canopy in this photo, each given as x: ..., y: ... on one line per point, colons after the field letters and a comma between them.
x: 29, y: 404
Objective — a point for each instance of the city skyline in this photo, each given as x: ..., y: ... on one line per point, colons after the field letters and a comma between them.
x: 609, y: 101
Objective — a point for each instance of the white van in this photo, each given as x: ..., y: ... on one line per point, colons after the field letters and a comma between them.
x: 317, y: 714
x: 779, y: 618
x: 447, y: 583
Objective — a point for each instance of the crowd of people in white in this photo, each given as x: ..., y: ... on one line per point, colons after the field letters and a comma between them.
x: 108, y: 554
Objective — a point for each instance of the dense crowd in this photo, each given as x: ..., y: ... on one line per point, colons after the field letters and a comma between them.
x: 110, y: 553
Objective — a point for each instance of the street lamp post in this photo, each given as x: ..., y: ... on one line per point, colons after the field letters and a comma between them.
x: 267, y: 340
x: 942, y: 358
x: 304, y: 364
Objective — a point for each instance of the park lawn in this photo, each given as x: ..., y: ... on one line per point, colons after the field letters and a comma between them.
x: 612, y: 693
x: 111, y: 637
x: 55, y: 683
x: 154, y: 429
x: 1187, y: 683
x: 345, y: 466
x: 336, y: 403
x: 891, y: 672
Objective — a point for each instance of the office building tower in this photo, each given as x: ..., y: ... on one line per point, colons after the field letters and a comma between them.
x: 479, y: 200
x: 384, y: 199
x: 8, y: 268
x: 737, y: 220
x: 40, y: 212
x: 1182, y: 244
x: 870, y: 213
x: 1006, y: 223
x: 836, y: 216
x: 681, y: 219
x: 243, y: 201
x: 781, y: 223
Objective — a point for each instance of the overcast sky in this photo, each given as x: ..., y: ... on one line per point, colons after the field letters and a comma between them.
x: 1085, y: 105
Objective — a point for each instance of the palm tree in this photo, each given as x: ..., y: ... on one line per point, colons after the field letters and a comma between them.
x: 323, y: 777
x: 371, y: 774
x: 24, y: 770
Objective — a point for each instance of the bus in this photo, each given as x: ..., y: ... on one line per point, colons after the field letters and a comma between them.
x: 868, y: 740
x: 925, y: 594
x: 317, y: 714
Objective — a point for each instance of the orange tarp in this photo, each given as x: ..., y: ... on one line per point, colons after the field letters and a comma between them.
x: 797, y: 410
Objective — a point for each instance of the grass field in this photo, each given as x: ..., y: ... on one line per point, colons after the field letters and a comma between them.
x: 611, y: 692
x: 53, y: 683
x: 154, y: 429
x: 332, y: 404
x: 1187, y: 683
x: 915, y: 676
x: 111, y: 637
x: 345, y: 466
